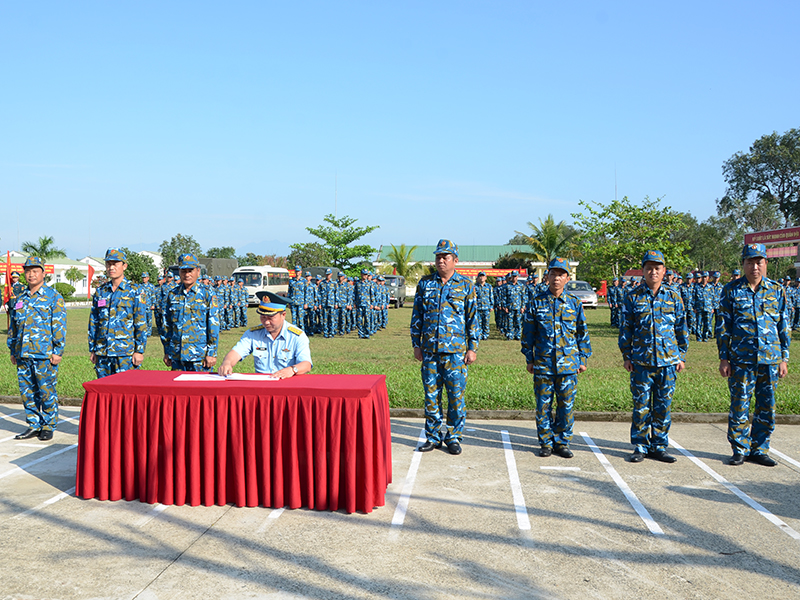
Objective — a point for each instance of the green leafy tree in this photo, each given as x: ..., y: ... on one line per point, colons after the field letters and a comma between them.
x: 65, y: 289
x: 311, y: 254
x: 550, y: 240
x: 616, y: 236
x: 249, y: 260
x: 401, y: 262
x: 224, y: 252
x: 73, y: 275
x: 769, y: 174
x: 138, y: 265
x: 337, y: 238
x: 179, y: 245
x: 518, y: 240
x: 45, y: 247
x: 714, y: 245
x: 513, y: 260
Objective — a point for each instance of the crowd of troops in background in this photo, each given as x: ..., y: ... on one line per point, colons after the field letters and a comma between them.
x: 508, y: 300
x: 321, y: 305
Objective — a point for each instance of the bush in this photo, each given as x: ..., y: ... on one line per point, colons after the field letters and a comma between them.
x: 64, y: 289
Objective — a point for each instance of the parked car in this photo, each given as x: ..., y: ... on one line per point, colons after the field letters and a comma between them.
x: 397, y: 289
x: 584, y: 291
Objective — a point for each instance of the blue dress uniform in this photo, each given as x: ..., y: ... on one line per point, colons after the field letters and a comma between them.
x: 38, y: 330
x: 515, y: 295
x: 444, y: 327
x: 555, y: 340
x: 363, y: 299
x: 191, y: 324
x: 654, y: 338
x: 754, y: 339
x: 484, y: 296
x: 117, y: 324
x: 270, y: 355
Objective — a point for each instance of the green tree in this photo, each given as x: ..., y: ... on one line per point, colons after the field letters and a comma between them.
x: 715, y: 244
x: 137, y: 265
x: 550, y: 240
x: 338, y: 237
x: 311, y: 254
x: 616, y: 236
x: 45, y: 247
x: 513, y: 260
x: 73, y: 274
x: 224, y: 252
x: 769, y: 174
x: 401, y: 262
x: 179, y: 245
x: 249, y: 260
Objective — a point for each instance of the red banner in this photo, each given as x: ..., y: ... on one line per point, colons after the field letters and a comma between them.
x: 7, y: 286
x: 776, y: 236
x: 781, y: 251
x: 90, y: 273
x: 473, y: 272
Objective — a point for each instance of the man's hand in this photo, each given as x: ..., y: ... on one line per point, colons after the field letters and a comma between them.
x: 167, y: 361
x: 93, y: 358
x: 582, y: 368
x: 56, y: 358
x: 783, y: 370
x: 13, y: 360
x: 529, y: 368
x: 138, y: 357
x: 284, y: 373
x: 418, y: 354
x: 470, y: 357
x: 725, y: 368
x: 680, y: 367
x: 209, y: 361
x: 628, y: 366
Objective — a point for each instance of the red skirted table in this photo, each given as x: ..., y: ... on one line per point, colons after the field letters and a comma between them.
x: 316, y: 441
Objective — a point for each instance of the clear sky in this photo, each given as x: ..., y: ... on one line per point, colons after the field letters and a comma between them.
x: 243, y: 122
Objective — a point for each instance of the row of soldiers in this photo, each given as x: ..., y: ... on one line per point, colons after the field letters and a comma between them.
x: 321, y: 305
x: 508, y: 300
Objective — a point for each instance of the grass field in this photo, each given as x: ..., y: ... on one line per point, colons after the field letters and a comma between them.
x: 498, y: 380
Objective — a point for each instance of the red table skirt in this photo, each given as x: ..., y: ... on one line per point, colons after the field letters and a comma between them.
x: 317, y: 441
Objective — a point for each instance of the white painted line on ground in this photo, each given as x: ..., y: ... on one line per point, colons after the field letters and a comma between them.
x: 8, y: 416
x: 784, y: 457
x: 627, y: 491
x: 27, y: 445
x: 408, y: 486
x: 8, y: 439
x: 523, y: 521
x: 37, y: 461
x: 276, y: 513
x: 560, y: 468
x: 69, y: 419
x: 52, y: 500
x: 157, y: 509
x: 735, y: 490
x: 270, y: 520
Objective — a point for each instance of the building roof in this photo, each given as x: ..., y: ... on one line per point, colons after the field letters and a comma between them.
x: 466, y: 254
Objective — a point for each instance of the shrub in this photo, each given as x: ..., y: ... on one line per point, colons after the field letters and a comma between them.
x: 64, y: 289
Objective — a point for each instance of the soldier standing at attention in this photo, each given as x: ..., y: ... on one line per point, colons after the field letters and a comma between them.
x: 555, y: 342
x: 484, y: 295
x: 309, y: 304
x: 613, y: 299
x: 297, y: 297
x: 342, y: 305
x: 327, y: 292
x: 243, y: 304
x: 753, y: 345
x: 515, y: 306
x: 654, y: 341
x: 36, y: 337
x: 16, y: 289
x: 363, y: 296
x: 703, y: 307
x: 117, y: 326
x: 191, y: 322
x: 445, y: 338
x: 149, y: 295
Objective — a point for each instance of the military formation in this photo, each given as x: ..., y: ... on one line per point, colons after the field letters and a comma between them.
x: 330, y: 307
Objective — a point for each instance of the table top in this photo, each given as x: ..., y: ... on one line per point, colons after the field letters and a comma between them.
x: 159, y: 382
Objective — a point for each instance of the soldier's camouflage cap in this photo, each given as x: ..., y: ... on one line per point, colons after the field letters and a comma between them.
x: 113, y: 254
x: 689, y: 275
x: 217, y: 278
x: 697, y: 274
x: 705, y: 273
x: 34, y: 261
x: 615, y: 279
x: 715, y: 274
x: 328, y: 271
x: 380, y: 278
x: 514, y: 274
x: 737, y: 272
x: 534, y: 276
x: 559, y: 263
x: 365, y: 271
x: 482, y: 274
x: 754, y: 251
x: 145, y: 274
x: 270, y: 308
x: 298, y: 268
x: 170, y: 275
x: 189, y: 261
x: 446, y: 247
x: 342, y: 274
x: 655, y: 256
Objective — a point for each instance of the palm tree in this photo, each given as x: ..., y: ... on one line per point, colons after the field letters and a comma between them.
x: 550, y: 240
x: 44, y: 248
x: 401, y: 261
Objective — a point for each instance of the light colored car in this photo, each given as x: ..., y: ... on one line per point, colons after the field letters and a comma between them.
x: 584, y: 291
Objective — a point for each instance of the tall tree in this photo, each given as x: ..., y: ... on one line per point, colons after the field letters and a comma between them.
x: 224, y: 252
x: 768, y: 174
x: 249, y: 260
x: 616, y: 236
x: 402, y: 262
x: 550, y: 240
x: 179, y: 245
x: 138, y: 264
x: 337, y: 238
x: 45, y: 247
x: 311, y: 254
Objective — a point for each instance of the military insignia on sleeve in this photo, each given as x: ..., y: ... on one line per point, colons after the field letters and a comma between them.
x: 294, y: 330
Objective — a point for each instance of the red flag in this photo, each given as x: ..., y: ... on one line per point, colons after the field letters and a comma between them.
x: 7, y: 287
x: 90, y: 272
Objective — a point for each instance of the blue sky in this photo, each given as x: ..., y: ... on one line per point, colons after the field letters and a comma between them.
x: 242, y: 123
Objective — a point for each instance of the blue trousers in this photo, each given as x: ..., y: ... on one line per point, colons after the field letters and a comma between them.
x: 108, y: 365
x: 555, y: 431
x: 483, y: 323
x: 652, y: 389
x: 363, y: 321
x: 446, y: 370
x: 514, y: 326
x: 37, y: 386
x: 743, y: 382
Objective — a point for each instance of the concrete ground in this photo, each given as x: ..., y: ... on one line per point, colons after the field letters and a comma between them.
x: 496, y: 522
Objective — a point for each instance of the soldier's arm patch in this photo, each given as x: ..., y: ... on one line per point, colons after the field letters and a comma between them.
x: 294, y: 330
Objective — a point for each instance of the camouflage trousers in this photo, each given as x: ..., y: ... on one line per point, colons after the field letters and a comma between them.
x: 299, y: 317
x: 329, y: 326
x: 691, y: 321
x: 37, y: 386
x: 363, y: 321
x: 652, y: 389
x: 340, y: 322
x: 743, y: 382
x: 243, y: 316
x: 446, y: 370
x: 186, y: 365
x: 108, y: 365
x: 555, y: 429
x: 148, y: 314
x: 615, y: 316
x: 483, y: 323
x: 514, y: 325
x: 703, y: 327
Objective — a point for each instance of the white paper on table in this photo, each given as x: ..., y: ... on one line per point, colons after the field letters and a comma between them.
x: 252, y: 377
x: 199, y: 377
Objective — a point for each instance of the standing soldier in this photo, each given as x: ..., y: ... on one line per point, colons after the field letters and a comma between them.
x: 363, y: 296
x: 36, y: 337
x: 484, y: 296
x: 555, y: 342
x: 686, y: 296
x: 149, y: 295
x: 499, y: 305
x: 16, y: 290
x: 444, y: 335
x: 613, y: 299
x: 351, y: 298
x: 242, y: 304
x: 309, y: 304
x: 654, y: 341
x: 515, y: 307
x: 753, y: 345
x: 297, y: 298
x: 117, y: 326
x: 342, y: 304
x: 191, y: 322
x: 796, y: 319
x: 327, y: 300
x: 703, y: 300
x: 384, y: 302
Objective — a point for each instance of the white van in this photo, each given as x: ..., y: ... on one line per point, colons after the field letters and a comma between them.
x: 259, y: 280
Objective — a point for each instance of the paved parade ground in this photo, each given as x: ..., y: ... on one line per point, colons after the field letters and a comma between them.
x: 496, y: 522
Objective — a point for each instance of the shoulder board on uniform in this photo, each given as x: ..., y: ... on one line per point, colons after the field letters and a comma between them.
x: 294, y: 330
x: 257, y: 328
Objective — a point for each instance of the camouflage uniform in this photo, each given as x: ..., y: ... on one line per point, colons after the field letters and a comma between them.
x: 342, y: 302
x: 149, y: 296
x: 555, y: 340
x: 499, y: 305
x: 654, y: 338
x: 117, y: 327
x: 515, y: 295
x: 311, y: 299
x: 191, y: 327
x: 327, y: 292
x: 38, y: 330
x: 484, y: 296
x: 363, y: 300
x: 614, y: 298
x: 796, y: 320
x: 242, y: 304
x: 754, y: 338
x: 444, y: 326
x: 703, y: 301
x: 297, y: 297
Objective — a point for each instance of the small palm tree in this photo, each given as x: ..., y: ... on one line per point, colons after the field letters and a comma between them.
x: 44, y: 248
x: 550, y: 240
x: 401, y: 261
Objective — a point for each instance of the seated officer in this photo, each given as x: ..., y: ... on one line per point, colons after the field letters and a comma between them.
x: 278, y: 348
